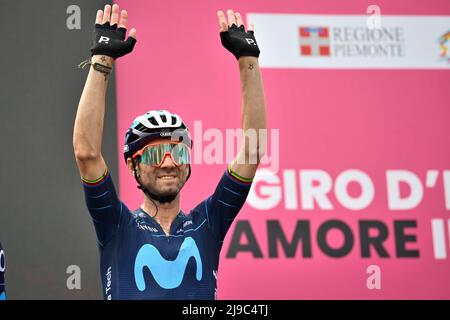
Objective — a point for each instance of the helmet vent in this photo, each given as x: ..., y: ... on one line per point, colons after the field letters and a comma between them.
x: 140, y: 127
x: 153, y: 121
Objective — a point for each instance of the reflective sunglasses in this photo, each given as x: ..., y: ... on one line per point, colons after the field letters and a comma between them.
x: 154, y: 154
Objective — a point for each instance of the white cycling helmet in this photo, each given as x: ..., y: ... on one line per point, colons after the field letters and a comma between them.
x: 153, y: 125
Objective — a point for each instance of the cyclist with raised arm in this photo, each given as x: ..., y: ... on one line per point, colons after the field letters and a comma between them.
x: 157, y: 251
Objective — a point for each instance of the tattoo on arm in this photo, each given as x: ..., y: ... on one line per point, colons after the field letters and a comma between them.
x: 251, y: 66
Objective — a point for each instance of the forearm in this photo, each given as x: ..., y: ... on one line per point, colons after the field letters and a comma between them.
x: 253, y: 104
x: 88, y: 129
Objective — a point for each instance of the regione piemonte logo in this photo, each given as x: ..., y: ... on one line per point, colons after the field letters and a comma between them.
x: 314, y: 41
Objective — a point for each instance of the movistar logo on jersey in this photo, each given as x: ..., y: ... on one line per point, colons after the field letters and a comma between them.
x: 3, y: 296
x: 168, y: 274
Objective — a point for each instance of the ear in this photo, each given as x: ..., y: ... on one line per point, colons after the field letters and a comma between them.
x: 130, y: 166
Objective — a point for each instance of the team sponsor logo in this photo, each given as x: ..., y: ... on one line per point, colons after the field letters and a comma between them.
x: 108, y: 291
x: 167, y: 274
x: 145, y: 227
x: 141, y: 224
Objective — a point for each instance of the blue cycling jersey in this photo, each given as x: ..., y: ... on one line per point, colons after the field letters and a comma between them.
x: 2, y: 273
x: 139, y: 261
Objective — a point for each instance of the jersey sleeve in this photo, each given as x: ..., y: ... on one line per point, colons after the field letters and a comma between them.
x: 225, y: 203
x: 104, y: 206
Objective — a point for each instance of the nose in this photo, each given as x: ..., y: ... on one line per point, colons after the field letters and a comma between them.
x: 167, y: 161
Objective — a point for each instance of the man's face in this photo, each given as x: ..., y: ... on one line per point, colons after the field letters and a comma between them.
x: 165, y: 180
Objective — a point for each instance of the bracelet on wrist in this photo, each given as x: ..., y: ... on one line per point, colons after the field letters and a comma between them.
x: 97, y: 66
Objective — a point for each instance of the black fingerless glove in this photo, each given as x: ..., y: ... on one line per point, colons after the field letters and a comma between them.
x: 109, y: 41
x: 239, y: 42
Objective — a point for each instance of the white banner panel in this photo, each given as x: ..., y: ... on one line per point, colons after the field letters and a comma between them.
x: 345, y: 41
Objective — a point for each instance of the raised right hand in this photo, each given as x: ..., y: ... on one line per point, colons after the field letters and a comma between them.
x: 108, y: 39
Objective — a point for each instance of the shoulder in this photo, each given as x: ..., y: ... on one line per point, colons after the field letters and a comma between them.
x: 196, y: 216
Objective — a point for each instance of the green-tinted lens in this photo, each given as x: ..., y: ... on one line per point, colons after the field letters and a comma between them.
x: 154, y: 155
x: 180, y: 154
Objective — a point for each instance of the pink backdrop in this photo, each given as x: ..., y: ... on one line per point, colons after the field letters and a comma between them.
x: 371, y: 120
